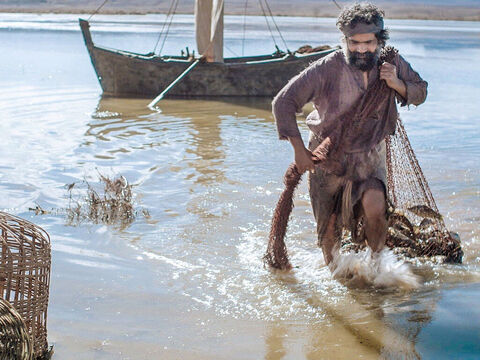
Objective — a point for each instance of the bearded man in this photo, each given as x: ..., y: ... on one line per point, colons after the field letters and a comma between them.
x: 335, y: 84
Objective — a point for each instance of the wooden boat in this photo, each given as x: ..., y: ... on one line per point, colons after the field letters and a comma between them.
x: 128, y: 74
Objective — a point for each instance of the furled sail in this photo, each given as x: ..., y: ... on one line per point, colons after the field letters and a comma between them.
x: 209, y: 29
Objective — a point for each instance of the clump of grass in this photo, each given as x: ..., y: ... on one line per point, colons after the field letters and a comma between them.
x: 109, y: 202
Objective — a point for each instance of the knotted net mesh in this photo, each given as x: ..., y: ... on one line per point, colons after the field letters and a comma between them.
x: 416, y: 228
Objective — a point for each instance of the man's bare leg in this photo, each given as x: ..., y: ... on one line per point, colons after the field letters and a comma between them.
x: 329, y: 242
x: 373, y: 203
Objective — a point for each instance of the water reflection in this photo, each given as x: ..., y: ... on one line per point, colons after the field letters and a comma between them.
x: 184, y: 146
x: 190, y: 126
x: 206, y: 149
x: 275, y: 338
x: 357, y: 323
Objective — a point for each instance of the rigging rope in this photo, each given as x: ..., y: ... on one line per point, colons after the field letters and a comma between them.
x: 268, y: 24
x: 169, y: 24
x: 275, y: 23
x: 173, y: 8
x: 229, y: 49
x: 98, y: 9
x: 244, y: 26
x: 338, y: 6
x: 164, y: 24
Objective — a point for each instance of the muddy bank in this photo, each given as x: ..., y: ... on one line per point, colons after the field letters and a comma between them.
x: 431, y: 10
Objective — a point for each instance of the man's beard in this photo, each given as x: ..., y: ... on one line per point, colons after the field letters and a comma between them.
x: 365, y: 61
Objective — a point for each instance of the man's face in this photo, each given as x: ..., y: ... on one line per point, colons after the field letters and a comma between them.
x: 362, y: 51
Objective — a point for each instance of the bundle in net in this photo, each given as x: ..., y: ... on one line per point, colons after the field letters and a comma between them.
x: 416, y: 227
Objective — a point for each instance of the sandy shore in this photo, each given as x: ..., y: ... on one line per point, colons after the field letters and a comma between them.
x: 468, y: 10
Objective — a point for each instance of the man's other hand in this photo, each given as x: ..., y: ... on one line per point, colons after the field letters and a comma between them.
x: 388, y: 72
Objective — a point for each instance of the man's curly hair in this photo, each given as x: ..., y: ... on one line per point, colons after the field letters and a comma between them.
x: 363, y: 13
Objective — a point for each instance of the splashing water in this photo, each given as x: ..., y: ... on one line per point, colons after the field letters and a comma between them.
x: 380, y: 270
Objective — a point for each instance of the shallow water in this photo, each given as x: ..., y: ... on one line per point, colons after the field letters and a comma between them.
x: 188, y: 282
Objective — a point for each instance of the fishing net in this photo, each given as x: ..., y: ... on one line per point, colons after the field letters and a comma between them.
x: 415, y: 226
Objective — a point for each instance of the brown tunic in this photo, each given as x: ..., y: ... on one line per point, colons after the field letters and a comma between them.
x: 334, y: 86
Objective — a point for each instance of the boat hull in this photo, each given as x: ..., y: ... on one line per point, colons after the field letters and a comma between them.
x: 122, y: 73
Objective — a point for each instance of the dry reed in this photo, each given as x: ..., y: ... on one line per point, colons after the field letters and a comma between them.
x: 109, y: 202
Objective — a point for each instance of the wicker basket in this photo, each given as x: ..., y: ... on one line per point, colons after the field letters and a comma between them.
x: 25, y: 258
x: 15, y: 342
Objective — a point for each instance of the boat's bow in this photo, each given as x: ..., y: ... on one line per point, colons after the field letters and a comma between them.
x: 87, y: 37
x: 124, y: 73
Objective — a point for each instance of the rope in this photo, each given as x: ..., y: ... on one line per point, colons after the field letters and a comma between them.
x: 338, y: 6
x: 98, y: 9
x: 268, y: 24
x: 164, y: 24
x: 169, y: 24
x: 244, y: 26
x: 390, y: 181
x: 229, y: 49
x: 275, y: 23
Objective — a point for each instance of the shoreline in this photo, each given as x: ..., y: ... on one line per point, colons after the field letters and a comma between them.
x: 394, y: 12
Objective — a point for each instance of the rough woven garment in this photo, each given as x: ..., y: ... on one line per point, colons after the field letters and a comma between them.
x: 324, y: 190
x: 333, y: 87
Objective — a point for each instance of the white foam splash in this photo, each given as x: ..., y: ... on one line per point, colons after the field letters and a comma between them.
x: 381, y: 270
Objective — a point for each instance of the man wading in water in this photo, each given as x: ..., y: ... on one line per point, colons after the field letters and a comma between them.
x: 334, y: 85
